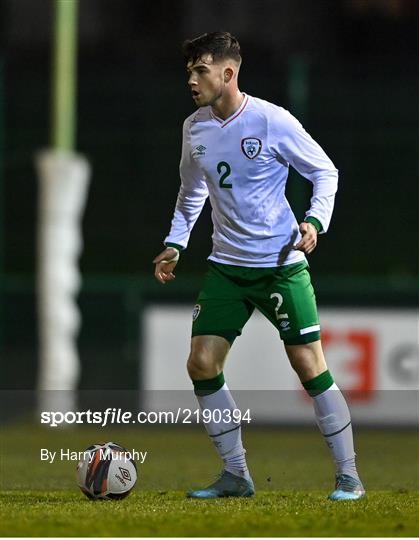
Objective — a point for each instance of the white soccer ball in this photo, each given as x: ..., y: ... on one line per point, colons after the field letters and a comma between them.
x: 106, y: 471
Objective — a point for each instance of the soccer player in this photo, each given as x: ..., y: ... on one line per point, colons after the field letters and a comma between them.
x: 237, y: 150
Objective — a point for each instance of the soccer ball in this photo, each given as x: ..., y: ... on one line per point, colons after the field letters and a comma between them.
x: 106, y: 471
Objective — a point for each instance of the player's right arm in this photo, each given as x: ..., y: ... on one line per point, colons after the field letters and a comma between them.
x: 190, y: 201
x: 165, y: 263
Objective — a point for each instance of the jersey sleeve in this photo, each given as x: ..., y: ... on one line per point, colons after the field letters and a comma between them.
x: 191, y: 197
x: 292, y: 144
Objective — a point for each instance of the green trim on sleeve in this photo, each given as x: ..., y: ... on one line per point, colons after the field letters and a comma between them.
x: 314, y: 221
x: 176, y: 246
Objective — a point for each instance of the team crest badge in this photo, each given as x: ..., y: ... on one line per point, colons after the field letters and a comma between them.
x: 251, y: 147
x: 196, y: 311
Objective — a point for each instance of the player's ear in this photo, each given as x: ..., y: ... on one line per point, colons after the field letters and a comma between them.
x: 228, y: 74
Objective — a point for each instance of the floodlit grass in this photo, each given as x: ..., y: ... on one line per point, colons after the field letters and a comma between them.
x: 291, y: 468
x: 278, y: 513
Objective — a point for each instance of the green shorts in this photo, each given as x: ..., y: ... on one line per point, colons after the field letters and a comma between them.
x: 283, y: 294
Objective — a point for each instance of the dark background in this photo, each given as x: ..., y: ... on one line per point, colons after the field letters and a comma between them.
x: 348, y: 69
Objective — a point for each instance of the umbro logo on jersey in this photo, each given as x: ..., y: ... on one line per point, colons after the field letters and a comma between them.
x: 251, y: 147
x: 200, y: 150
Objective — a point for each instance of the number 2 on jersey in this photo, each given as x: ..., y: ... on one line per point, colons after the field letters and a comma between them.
x: 224, y: 167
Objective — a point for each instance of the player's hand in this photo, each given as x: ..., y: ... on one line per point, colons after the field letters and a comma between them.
x: 165, y: 264
x: 309, y: 238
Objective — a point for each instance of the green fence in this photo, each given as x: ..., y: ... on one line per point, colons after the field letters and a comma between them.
x: 111, y: 336
x: 365, y: 116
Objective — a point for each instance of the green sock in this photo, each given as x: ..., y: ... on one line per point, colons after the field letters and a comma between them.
x: 319, y: 384
x: 208, y: 386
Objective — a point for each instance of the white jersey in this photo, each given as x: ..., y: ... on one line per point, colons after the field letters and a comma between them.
x: 242, y: 164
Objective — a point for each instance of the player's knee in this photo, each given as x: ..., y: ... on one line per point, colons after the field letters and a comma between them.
x: 307, y: 360
x: 199, y: 365
x: 202, y: 362
x: 207, y: 356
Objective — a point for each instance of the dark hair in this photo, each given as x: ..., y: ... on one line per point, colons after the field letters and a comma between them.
x: 220, y: 45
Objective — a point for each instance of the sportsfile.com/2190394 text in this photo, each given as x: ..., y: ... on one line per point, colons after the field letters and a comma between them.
x: 118, y: 416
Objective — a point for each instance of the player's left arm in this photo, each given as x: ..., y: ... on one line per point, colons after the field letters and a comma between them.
x: 308, y: 242
x: 301, y: 151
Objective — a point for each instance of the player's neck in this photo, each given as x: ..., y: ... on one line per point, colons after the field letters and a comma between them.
x: 228, y: 104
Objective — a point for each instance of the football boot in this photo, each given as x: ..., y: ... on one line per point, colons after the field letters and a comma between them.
x: 347, y: 488
x: 226, y: 485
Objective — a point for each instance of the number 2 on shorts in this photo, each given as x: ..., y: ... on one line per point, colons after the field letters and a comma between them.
x: 279, y: 300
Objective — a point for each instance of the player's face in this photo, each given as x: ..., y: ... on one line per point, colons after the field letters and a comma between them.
x: 206, y: 80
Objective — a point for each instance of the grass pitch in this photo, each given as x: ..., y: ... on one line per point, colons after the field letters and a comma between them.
x: 292, y: 471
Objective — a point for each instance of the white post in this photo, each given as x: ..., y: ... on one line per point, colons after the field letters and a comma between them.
x: 63, y: 185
